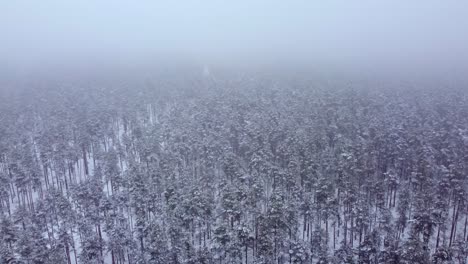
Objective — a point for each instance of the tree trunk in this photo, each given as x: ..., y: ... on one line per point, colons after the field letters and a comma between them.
x: 246, y: 253
x: 67, y: 251
x: 466, y: 223
x: 334, y: 236
x: 85, y: 161
x: 454, y: 222
x: 352, y: 232
x: 438, y: 236
x: 100, y: 239
x: 304, y: 228
x: 345, y: 231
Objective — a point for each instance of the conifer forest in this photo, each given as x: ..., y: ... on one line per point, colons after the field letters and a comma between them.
x: 190, y: 168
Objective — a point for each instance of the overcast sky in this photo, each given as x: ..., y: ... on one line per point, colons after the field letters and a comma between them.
x: 361, y: 33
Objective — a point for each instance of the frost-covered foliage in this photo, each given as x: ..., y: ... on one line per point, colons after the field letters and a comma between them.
x: 233, y: 170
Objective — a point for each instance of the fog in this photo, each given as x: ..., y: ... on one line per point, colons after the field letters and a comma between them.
x: 233, y: 131
x: 366, y: 35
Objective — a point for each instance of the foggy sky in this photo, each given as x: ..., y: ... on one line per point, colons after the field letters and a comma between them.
x: 361, y: 34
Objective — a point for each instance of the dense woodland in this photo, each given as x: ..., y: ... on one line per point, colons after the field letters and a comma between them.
x: 189, y: 168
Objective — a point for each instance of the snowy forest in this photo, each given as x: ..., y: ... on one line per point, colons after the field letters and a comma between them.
x: 188, y: 168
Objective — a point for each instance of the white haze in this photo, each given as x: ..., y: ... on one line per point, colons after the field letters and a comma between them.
x: 409, y: 35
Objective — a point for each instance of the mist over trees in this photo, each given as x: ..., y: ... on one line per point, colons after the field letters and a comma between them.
x: 232, y: 168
